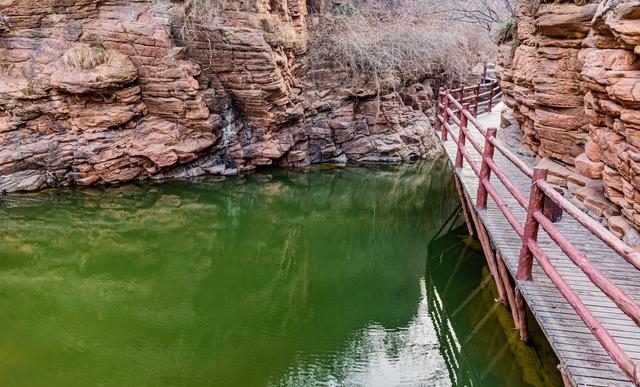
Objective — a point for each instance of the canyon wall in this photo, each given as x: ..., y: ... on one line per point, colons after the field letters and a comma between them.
x: 109, y: 91
x: 571, y: 77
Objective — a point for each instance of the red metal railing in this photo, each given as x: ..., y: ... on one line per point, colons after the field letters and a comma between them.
x: 454, y: 108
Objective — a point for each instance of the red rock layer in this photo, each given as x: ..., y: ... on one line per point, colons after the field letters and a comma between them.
x: 150, y: 108
x: 573, y: 84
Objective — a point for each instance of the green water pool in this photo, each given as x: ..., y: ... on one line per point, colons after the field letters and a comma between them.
x: 330, y: 277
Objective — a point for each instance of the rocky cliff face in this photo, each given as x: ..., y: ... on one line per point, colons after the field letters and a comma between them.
x: 572, y: 80
x: 108, y: 91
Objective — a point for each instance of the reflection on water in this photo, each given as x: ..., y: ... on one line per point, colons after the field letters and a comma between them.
x: 477, y: 337
x: 287, y: 279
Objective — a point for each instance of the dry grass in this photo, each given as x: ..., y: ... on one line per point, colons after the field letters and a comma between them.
x: 400, y: 43
x: 201, y: 15
x: 200, y: 20
x: 395, y: 41
x: 86, y: 57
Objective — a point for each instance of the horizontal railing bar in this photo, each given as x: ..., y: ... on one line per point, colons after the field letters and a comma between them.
x: 466, y: 154
x: 515, y: 160
x: 513, y: 190
x: 477, y: 124
x: 619, y: 297
x: 476, y: 145
x: 486, y: 101
x: 469, y: 98
x: 502, y: 206
x: 455, y: 102
x: 624, y: 250
x: 521, y: 165
x: 466, y: 88
x: 593, y: 324
x: 453, y: 116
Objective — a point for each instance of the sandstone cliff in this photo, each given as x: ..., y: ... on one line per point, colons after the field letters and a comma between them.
x: 571, y: 77
x: 108, y: 91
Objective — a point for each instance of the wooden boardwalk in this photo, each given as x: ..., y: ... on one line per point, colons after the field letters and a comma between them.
x: 584, y: 361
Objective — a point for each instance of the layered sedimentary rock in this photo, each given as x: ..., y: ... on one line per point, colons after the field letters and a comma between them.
x: 572, y: 80
x: 542, y: 77
x: 97, y: 92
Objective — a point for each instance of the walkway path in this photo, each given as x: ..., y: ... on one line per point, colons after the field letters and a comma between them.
x: 583, y: 360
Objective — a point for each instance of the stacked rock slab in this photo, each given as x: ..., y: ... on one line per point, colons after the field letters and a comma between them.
x: 571, y: 78
x: 99, y: 92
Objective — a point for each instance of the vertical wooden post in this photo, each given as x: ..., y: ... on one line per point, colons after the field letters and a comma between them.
x: 462, y: 137
x: 461, y: 95
x: 485, y: 171
x: 536, y: 200
x: 485, y: 241
x: 522, y: 316
x: 491, y: 96
x: 477, y: 99
x: 438, y: 109
x: 565, y: 377
x: 468, y: 216
x: 508, y: 289
x: 445, y: 114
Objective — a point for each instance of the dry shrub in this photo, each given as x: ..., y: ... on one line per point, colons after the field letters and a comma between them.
x: 201, y: 16
x: 86, y: 57
x: 400, y: 42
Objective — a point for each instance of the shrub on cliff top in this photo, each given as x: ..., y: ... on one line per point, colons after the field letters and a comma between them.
x: 399, y: 42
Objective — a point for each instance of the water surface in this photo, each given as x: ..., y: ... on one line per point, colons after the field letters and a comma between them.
x: 323, y: 278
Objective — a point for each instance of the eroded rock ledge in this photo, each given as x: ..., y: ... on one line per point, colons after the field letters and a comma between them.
x: 571, y: 77
x: 98, y: 92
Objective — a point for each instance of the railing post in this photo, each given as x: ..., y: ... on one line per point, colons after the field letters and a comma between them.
x: 477, y: 98
x: 462, y: 137
x: 461, y: 95
x: 485, y: 171
x: 445, y: 115
x: 491, y: 96
x: 536, y: 202
x: 438, y: 110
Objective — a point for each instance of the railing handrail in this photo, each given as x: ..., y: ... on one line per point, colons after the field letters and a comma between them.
x: 452, y: 104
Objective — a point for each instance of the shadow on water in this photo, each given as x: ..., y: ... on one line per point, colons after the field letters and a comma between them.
x: 478, y: 339
x: 274, y: 279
